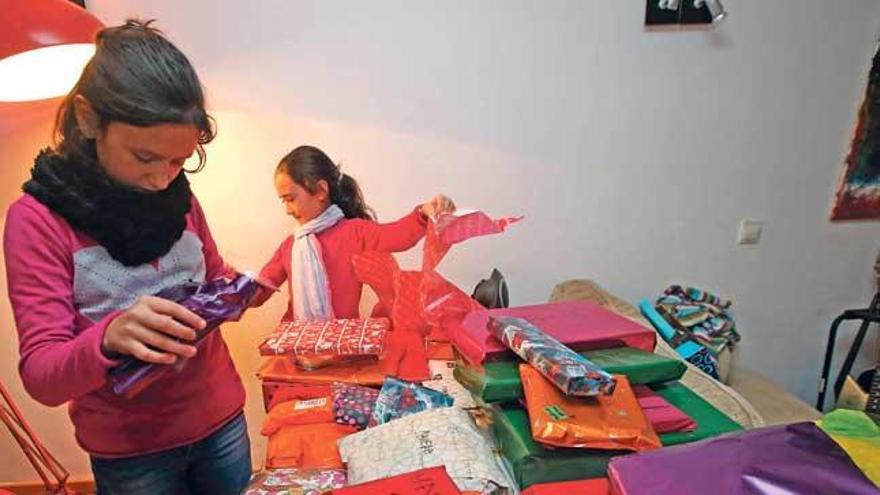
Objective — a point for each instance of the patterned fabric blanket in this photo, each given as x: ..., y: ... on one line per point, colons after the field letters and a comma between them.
x: 704, y: 316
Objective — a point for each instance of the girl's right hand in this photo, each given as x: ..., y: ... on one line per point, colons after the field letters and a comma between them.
x: 148, y: 331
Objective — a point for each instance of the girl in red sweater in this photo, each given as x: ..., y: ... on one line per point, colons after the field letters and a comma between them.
x: 108, y: 220
x: 334, y: 224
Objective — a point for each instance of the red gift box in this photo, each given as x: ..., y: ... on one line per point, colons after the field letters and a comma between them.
x: 430, y: 481
x: 348, y: 337
x: 583, y: 487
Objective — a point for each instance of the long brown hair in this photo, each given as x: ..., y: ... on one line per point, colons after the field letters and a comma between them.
x: 306, y: 165
x: 136, y: 77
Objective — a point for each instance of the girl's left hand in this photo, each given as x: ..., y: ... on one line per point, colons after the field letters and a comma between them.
x: 437, y: 205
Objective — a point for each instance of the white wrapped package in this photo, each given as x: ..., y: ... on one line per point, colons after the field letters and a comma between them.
x: 439, y: 437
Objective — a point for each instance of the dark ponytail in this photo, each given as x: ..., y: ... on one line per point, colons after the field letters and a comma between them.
x: 306, y: 165
x: 139, y: 78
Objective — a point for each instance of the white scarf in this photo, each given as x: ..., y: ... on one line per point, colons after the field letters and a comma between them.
x: 311, y: 288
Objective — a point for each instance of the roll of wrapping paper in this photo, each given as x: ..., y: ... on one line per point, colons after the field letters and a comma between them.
x: 614, y: 422
x: 572, y: 373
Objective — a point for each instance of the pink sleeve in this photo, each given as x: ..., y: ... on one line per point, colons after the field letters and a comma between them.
x: 395, y: 236
x: 274, y: 271
x: 56, y: 363
x: 214, y: 264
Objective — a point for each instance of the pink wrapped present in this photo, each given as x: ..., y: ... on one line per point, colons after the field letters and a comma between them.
x: 342, y: 338
x: 663, y: 416
x: 581, y: 325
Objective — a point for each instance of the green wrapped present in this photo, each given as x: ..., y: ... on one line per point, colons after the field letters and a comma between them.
x: 533, y: 463
x: 710, y: 421
x: 500, y: 382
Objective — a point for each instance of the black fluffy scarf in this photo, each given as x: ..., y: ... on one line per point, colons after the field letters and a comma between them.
x: 135, y: 226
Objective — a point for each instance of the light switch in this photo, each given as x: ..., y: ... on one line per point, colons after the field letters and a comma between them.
x: 749, y: 231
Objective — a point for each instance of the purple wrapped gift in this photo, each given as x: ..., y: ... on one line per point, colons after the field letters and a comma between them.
x: 797, y: 458
x: 217, y: 301
x: 568, y: 370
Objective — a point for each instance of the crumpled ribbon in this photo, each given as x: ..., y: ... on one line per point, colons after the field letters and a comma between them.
x: 419, y: 300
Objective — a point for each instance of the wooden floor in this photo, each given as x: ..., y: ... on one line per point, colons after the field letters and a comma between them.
x: 82, y: 487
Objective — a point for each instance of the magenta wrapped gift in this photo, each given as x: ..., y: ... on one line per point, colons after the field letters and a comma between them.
x: 568, y: 370
x: 797, y: 458
x: 580, y: 325
x: 217, y: 301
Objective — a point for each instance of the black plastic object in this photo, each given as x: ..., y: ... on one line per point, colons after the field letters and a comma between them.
x: 492, y: 293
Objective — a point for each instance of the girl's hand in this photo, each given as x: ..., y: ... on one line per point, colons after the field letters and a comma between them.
x: 263, y: 294
x: 437, y: 205
x: 148, y: 331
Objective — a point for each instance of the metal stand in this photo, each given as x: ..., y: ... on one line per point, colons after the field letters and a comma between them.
x: 867, y: 316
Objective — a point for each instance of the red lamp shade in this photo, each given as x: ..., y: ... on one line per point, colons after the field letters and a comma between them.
x: 44, y: 45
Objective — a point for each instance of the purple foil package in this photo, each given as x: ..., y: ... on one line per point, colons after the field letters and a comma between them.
x: 217, y: 301
x: 797, y: 458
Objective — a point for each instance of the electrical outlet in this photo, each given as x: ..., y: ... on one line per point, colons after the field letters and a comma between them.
x: 749, y: 232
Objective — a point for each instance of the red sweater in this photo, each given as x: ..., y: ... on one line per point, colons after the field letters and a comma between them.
x: 65, y: 289
x: 339, y: 244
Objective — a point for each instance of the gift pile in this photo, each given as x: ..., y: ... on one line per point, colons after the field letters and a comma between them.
x: 446, y: 397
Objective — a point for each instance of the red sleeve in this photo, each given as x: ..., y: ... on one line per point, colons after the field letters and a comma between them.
x: 214, y: 264
x: 395, y: 236
x: 55, y: 363
x: 274, y: 271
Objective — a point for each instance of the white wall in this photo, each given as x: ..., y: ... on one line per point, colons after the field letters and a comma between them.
x: 633, y: 154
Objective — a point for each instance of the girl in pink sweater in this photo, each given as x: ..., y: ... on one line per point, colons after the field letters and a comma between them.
x: 333, y: 225
x: 106, y: 221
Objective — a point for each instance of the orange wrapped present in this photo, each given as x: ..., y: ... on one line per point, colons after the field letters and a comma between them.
x: 611, y: 422
x: 275, y: 393
x: 306, y: 446
x: 298, y: 412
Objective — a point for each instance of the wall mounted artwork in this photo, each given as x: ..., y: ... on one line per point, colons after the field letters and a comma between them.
x: 858, y: 193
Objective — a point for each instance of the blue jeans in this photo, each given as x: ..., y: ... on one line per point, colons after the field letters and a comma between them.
x: 219, y: 464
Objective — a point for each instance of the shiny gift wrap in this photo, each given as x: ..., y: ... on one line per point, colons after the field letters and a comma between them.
x: 608, y: 422
x: 797, y: 458
x: 220, y: 300
x: 568, y: 370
